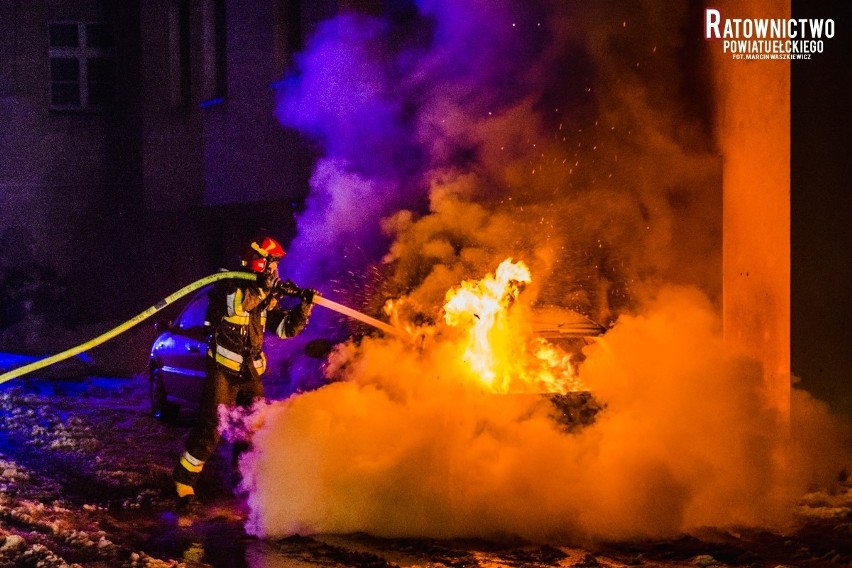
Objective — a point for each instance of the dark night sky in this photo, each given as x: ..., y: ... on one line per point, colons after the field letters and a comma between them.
x: 821, y: 169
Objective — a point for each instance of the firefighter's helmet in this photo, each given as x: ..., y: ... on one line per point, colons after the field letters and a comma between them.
x: 261, y: 252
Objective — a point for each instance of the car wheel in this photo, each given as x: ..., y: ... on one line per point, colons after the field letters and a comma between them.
x: 161, y: 408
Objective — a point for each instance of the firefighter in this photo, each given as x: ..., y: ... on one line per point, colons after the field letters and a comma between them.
x: 239, y: 312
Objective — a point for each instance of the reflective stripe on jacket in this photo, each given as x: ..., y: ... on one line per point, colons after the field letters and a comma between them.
x: 238, y: 314
x: 234, y: 361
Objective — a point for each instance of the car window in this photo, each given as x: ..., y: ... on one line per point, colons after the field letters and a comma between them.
x: 194, y: 312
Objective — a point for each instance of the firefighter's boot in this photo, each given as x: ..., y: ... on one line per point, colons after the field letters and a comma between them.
x: 185, y: 477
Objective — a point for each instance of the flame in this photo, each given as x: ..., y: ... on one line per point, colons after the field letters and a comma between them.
x: 497, y: 349
x: 554, y: 372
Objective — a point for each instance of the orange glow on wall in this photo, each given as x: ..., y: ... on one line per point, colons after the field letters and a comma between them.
x: 753, y: 134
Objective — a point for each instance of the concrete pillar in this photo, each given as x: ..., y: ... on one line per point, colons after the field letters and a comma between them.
x: 753, y: 134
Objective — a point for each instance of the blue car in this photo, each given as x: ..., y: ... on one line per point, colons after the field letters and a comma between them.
x: 177, y: 363
x: 178, y: 355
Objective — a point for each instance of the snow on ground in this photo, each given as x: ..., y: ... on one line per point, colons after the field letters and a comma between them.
x: 85, y: 480
x: 72, y: 453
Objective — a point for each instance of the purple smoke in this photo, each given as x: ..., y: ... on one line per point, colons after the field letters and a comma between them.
x: 390, y: 101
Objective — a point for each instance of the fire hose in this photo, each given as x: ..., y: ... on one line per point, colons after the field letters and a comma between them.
x: 68, y: 353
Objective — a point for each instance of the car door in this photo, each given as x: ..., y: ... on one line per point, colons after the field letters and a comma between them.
x: 184, y: 358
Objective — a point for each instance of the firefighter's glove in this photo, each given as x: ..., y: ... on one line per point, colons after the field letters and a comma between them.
x: 268, y: 281
x: 308, y: 295
x: 287, y: 288
x: 306, y: 308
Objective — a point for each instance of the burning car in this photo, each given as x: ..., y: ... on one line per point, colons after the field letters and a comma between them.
x: 476, y: 310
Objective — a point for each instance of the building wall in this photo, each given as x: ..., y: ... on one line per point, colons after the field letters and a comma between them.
x: 248, y: 156
x: 218, y: 167
x: 166, y: 186
x: 171, y: 135
x: 68, y: 180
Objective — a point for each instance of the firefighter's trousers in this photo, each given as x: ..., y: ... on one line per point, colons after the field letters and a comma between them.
x: 220, y: 387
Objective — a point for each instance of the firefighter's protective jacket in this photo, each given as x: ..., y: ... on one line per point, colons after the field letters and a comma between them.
x: 239, y: 313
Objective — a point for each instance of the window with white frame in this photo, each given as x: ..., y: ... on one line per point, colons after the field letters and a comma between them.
x: 82, y: 66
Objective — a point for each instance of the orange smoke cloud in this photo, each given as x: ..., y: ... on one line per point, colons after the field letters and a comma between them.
x: 400, y: 445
